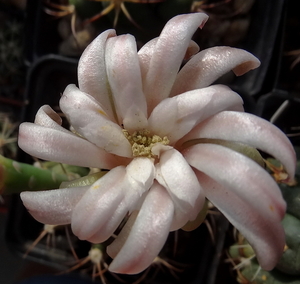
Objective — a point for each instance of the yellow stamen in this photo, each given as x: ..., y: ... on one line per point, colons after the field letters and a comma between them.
x: 142, y: 142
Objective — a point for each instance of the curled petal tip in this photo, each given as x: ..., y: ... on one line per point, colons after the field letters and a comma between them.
x: 247, y: 65
x: 210, y: 64
x: 203, y: 23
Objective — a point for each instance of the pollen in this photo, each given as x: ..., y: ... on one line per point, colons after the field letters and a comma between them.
x: 264, y: 277
x: 142, y: 142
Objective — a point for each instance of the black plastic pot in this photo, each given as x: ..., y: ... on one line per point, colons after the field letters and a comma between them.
x: 264, y: 41
x: 281, y: 103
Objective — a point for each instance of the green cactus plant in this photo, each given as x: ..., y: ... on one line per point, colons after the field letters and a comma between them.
x: 16, y: 177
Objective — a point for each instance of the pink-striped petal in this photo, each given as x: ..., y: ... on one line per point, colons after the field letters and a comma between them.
x: 106, y: 230
x: 137, y: 180
x: 167, y: 57
x: 98, y: 204
x: 53, y: 207
x: 210, y: 64
x: 125, y: 81
x: 146, y: 52
x: 175, y: 117
x: 64, y: 147
x: 89, y: 120
x: 148, y: 233
x: 47, y: 117
x: 251, y: 130
x: 192, y: 49
x: 265, y: 236
x: 241, y: 175
x: 92, y: 78
x: 176, y: 175
x: 114, y: 248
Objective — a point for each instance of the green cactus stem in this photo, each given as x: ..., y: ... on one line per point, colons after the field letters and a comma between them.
x: 290, y: 260
x: 16, y: 177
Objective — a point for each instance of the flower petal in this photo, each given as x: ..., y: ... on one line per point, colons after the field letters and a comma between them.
x: 251, y: 130
x: 114, y: 248
x: 210, y: 64
x: 239, y: 174
x: 92, y: 78
x: 98, y: 204
x: 192, y: 49
x: 47, y: 117
x: 137, y: 180
x: 176, y: 175
x: 265, y: 236
x: 148, y: 234
x: 124, y: 76
x: 63, y: 147
x: 53, y: 207
x: 168, y: 55
x: 89, y: 120
x: 175, y: 117
x: 106, y: 230
x: 146, y: 52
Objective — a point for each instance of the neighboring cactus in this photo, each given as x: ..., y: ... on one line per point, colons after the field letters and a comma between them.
x: 12, y: 68
x: 265, y: 277
x: 290, y: 260
x: 8, y: 137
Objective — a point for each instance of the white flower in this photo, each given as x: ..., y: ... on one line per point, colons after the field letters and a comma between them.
x: 141, y: 116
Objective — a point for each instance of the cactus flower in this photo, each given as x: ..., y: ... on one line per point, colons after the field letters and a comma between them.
x: 168, y: 138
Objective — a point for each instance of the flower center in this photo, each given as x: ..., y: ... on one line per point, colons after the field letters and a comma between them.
x: 142, y: 142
